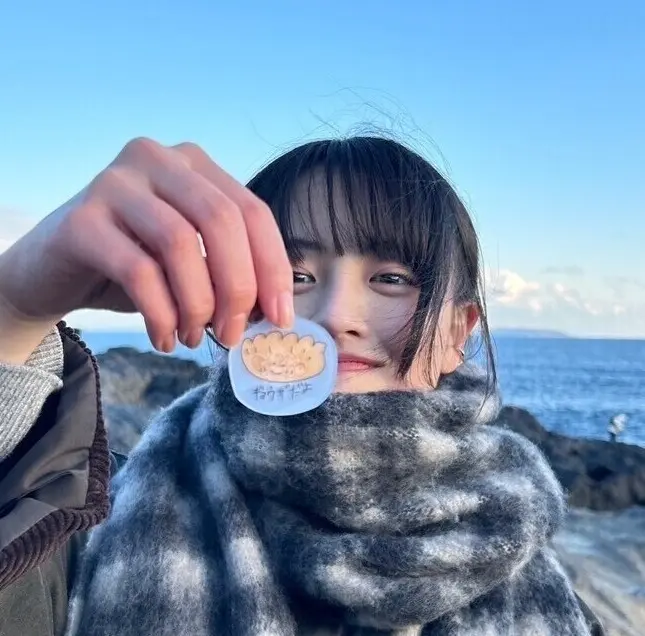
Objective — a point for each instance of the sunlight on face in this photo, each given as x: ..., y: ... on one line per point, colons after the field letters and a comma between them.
x: 367, y: 305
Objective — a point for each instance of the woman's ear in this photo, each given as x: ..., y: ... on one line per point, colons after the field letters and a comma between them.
x: 465, y: 320
x: 473, y: 315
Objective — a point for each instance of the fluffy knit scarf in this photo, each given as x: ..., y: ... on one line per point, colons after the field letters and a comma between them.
x: 386, y: 513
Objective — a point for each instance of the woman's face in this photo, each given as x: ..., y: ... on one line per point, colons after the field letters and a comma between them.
x: 367, y: 305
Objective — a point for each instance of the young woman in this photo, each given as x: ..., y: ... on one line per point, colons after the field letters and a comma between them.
x: 392, y: 508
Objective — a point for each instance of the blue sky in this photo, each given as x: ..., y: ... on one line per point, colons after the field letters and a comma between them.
x: 536, y: 114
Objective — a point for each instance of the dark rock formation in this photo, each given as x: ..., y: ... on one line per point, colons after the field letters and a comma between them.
x: 136, y: 385
x: 597, y: 475
x: 146, y: 379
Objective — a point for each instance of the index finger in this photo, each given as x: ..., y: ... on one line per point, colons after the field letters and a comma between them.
x: 273, y: 271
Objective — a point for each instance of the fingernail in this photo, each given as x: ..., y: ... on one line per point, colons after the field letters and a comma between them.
x: 169, y: 343
x: 235, y: 327
x: 285, y: 310
x: 194, y: 338
x: 183, y: 337
x: 229, y: 330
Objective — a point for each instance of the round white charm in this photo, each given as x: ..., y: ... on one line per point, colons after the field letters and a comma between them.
x: 277, y: 371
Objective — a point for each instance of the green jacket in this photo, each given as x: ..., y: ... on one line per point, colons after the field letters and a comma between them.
x: 53, y: 488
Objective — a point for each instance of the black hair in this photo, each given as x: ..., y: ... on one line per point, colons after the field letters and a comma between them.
x: 400, y: 208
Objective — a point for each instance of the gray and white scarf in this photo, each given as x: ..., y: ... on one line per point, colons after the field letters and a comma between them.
x: 386, y: 513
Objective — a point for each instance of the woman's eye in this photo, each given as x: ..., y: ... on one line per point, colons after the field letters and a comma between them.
x: 393, y: 279
x: 300, y: 278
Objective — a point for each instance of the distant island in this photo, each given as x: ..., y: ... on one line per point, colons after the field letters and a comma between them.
x: 528, y: 333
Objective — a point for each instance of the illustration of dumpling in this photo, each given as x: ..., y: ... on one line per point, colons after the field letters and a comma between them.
x: 275, y: 357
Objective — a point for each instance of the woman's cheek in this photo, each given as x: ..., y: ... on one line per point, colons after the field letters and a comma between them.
x: 305, y: 304
x: 390, y: 320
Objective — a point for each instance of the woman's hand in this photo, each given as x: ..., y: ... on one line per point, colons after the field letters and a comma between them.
x: 130, y: 242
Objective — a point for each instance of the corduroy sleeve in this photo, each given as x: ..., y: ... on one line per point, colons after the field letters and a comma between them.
x: 54, y: 476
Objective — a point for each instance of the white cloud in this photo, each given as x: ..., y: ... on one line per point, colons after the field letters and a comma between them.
x: 509, y: 288
x: 565, y: 294
x: 536, y: 305
x: 590, y: 307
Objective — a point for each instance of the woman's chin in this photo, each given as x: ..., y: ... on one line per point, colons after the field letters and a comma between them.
x: 364, y: 381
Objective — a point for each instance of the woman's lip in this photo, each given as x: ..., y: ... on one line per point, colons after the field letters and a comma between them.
x: 352, y: 363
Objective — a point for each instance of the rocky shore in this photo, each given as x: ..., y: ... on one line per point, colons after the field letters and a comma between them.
x: 597, y: 475
x: 602, y: 544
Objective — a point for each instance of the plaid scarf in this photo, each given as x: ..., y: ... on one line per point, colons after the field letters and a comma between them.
x: 386, y: 513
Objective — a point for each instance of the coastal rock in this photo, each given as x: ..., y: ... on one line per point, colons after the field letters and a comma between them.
x: 136, y: 385
x: 604, y: 556
x: 146, y: 379
x: 597, y: 475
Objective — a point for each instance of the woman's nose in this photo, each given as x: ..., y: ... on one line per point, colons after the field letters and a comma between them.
x: 342, y: 309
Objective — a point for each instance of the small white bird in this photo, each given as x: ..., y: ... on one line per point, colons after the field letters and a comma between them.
x: 617, y: 424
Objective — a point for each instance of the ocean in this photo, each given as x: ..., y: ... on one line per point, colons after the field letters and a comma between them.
x: 573, y: 386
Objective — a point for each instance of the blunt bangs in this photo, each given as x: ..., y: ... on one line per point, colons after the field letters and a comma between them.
x: 375, y: 197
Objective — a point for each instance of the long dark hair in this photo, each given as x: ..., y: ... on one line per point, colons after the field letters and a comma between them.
x: 400, y: 208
